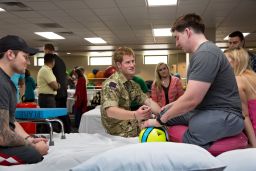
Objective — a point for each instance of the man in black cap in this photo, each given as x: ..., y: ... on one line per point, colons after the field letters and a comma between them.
x: 15, y: 143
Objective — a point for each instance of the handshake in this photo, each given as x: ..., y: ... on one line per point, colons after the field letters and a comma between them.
x: 145, y: 112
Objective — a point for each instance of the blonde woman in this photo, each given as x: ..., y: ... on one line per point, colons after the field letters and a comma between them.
x: 165, y: 88
x: 246, y: 81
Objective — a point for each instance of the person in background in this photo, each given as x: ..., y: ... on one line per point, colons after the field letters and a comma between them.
x: 144, y: 88
x: 211, y: 105
x: 72, y: 79
x: 29, y: 95
x: 59, y: 70
x: 19, y: 82
x: 16, y: 145
x: 165, y: 88
x: 83, y: 71
x: 118, y: 91
x: 235, y: 40
x: 47, y: 83
x: 246, y: 81
x: 80, y: 96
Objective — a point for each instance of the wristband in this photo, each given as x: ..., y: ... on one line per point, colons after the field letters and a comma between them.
x: 158, y: 119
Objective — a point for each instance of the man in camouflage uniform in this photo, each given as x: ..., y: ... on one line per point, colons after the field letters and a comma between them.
x: 118, y: 91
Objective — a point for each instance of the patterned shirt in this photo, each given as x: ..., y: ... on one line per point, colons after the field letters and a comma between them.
x: 120, y: 92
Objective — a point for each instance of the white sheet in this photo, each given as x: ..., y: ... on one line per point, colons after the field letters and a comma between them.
x: 91, y: 122
x: 73, y: 150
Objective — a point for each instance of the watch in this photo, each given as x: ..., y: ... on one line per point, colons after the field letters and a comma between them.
x: 158, y: 118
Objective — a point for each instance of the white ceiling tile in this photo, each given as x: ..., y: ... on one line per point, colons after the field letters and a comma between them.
x: 131, y: 3
x: 71, y: 5
x: 41, y: 5
x: 96, y: 4
x: 122, y: 21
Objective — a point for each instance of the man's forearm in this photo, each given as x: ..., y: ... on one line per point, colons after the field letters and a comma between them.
x: 154, y: 106
x: 119, y: 113
x: 7, y: 136
x: 20, y: 131
x: 179, y: 107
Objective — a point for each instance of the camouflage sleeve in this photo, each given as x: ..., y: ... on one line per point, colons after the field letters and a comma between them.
x: 110, y: 91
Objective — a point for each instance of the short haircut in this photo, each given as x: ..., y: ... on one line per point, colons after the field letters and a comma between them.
x: 237, y: 34
x: 189, y: 20
x: 49, y: 46
x: 49, y: 58
x: 120, y: 52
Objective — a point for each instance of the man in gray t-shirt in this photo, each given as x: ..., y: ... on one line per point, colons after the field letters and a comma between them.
x: 211, y: 105
x: 208, y: 64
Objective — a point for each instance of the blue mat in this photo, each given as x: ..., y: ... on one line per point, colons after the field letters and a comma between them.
x: 39, y: 113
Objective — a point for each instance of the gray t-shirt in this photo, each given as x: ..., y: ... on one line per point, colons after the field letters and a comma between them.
x: 8, y: 98
x: 208, y: 64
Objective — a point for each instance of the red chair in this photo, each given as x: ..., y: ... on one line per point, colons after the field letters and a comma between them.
x: 239, y: 141
x: 29, y: 127
x: 26, y: 105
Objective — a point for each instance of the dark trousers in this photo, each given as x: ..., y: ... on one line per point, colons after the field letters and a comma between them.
x: 46, y: 101
x: 49, y: 101
x: 78, y: 113
x: 62, y: 103
x: 20, y: 155
x: 29, y: 100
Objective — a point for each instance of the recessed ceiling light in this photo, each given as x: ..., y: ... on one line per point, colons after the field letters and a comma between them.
x: 68, y: 53
x: 49, y: 35
x: 161, y: 2
x: 160, y: 32
x: 96, y: 40
x: 245, y: 34
x: 2, y: 10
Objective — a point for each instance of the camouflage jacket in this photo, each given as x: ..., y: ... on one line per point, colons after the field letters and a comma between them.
x: 120, y: 92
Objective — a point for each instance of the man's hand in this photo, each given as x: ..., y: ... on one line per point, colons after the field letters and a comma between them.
x: 150, y: 123
x: 144, y: 112
x: 36, y: 140
x: 42, y: 147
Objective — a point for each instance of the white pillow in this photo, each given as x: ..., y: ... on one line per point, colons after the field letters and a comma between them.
x: 239, y: 160
x: 161, y: 156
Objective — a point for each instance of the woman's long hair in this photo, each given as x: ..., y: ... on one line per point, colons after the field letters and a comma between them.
x: 241, y: 66
x: 158, y: 81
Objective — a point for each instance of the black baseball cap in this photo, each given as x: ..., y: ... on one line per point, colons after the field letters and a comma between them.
x: 12, y: 42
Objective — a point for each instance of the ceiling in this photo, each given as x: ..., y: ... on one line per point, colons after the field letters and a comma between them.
x: 120, y: 22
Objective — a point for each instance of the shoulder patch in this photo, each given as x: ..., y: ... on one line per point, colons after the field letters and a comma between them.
x: 112, y: 85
